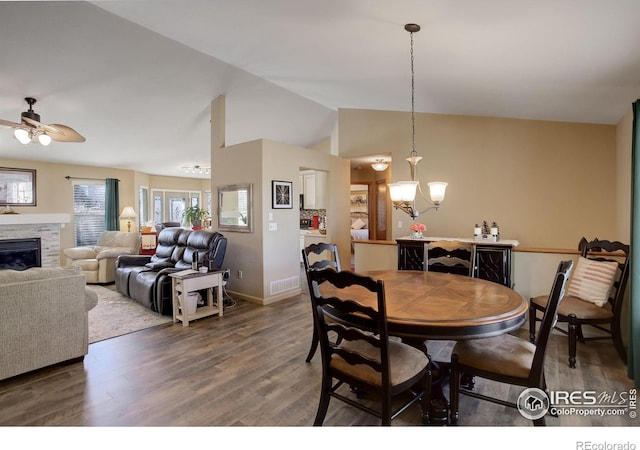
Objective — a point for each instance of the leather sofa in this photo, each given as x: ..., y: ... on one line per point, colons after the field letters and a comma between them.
x: 145, y: 278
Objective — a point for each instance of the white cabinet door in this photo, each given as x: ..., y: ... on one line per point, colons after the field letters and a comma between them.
x: 313, y: 187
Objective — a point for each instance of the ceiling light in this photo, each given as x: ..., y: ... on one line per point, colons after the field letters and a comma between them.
x: 44, y: 139
x: 380, y: 165
x: 197, y: 170
x: 22, y: 135
x: 403, y: 193
x: 29, y: 135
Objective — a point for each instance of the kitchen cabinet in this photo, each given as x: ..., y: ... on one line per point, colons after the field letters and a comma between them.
x: 492, y: 262
x: 314, y: 188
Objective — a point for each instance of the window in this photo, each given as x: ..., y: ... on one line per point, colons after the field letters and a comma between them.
x: 143, y: 205
x: 88, y: 212
x: 168, y: 205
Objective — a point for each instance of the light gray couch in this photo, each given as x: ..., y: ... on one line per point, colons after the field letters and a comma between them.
x: 43, y: 318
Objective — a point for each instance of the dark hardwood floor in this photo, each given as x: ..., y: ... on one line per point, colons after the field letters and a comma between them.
x: 247, y: 369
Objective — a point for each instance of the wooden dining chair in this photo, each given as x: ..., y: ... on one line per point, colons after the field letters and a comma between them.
x: 594, y: 297
x: 450, y: 257
x: 507, y: 358
x: 365, y: 361
x: 315, y: 257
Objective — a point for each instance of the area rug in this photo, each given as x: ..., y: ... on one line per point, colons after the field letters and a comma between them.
x: 116, y: 315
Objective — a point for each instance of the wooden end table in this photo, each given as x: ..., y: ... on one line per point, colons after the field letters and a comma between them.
x: 187, y: 281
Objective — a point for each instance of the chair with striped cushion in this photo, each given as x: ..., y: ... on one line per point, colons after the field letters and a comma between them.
x: 594, y: 297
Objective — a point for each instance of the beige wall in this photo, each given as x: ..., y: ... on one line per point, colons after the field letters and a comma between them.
x: 269, y: 255
x: 546, y: 184
x: 54, y: 193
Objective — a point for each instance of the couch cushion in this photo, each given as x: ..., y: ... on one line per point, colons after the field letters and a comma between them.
x: 119, y: 239
x: 86, y: 265
x: 9, y: 276
x: 80, y: 252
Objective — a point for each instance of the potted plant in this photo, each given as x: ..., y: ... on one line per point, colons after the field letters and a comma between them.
x: 194, y: 216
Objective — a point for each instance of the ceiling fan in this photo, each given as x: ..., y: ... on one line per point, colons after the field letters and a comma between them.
x: 31, y: 130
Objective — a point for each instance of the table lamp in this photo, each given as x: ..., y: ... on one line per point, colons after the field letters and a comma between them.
x: 128, y: 213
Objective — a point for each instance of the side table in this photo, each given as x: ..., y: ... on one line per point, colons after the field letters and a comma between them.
x: 189, y: 280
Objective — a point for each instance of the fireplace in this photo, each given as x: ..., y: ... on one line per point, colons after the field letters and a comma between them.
x: 20, y: 254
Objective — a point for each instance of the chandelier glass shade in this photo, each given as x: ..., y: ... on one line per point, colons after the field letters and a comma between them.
x: 380, y: 165
x: 403, y: 193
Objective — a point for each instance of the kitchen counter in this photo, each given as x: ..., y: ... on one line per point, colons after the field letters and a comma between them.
x: 310, y: 232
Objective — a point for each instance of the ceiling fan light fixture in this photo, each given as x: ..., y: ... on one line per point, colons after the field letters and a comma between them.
x: 44, y: 139
x: 380, y: 165
x: 22, y: 135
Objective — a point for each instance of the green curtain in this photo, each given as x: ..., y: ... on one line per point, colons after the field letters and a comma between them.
x: 633, y: 365
x: 112, y: 205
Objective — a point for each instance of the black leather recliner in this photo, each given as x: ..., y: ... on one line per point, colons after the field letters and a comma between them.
x: 145, y: 278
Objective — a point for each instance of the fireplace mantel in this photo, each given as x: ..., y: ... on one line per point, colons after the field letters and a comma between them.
x: 25, y: 219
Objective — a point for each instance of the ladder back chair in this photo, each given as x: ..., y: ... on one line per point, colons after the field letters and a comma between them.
x: 507, y: 358
x: 450, y: 257
x: 365, y: 359
x: 316, y: 257
x: 594, y: 297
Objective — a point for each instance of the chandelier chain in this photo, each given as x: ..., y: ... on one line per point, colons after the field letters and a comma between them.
x: 413, y: 121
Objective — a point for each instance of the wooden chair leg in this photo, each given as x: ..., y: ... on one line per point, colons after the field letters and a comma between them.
x: 425, y: 401
x: 573, y: 326
x: 454, y: 390
x: 617, y: 341
x: 532, y: 323
x: 323, y: 404
x: 314, y: 345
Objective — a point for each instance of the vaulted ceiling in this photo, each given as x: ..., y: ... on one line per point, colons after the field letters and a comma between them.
x: 136, y: 78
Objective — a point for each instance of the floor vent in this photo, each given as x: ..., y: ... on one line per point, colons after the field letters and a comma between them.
x: 284, y: 285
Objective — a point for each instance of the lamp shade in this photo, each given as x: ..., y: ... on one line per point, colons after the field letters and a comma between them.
x: 403, y: 191
x: 437, y: 190
x: 128, y: 213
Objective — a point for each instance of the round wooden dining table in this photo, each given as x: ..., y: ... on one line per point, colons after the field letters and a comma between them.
x: 443, y: 306
x: 425, y: 306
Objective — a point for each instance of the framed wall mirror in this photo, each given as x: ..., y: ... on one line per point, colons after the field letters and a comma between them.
x: 17, y: 187
x: 235, y: 205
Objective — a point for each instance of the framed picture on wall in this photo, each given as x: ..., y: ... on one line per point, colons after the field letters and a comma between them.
x: 17, y: 187
x: 281, y: 194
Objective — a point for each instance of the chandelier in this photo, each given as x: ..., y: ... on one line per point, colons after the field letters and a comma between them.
x: 197, y: 170
x: 403, y: 193
x: 380, y: 165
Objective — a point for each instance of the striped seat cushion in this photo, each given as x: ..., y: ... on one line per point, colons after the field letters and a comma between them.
x: 592, y: 280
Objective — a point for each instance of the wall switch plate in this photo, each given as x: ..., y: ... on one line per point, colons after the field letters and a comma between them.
x: 273, y: 226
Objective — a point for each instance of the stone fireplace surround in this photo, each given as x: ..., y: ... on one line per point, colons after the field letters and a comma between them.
x: 45, y: 226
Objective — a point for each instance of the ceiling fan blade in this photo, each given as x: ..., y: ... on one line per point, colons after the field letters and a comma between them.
x: 8, y: 123
x: 65, y: 134
x: 47, y: 128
